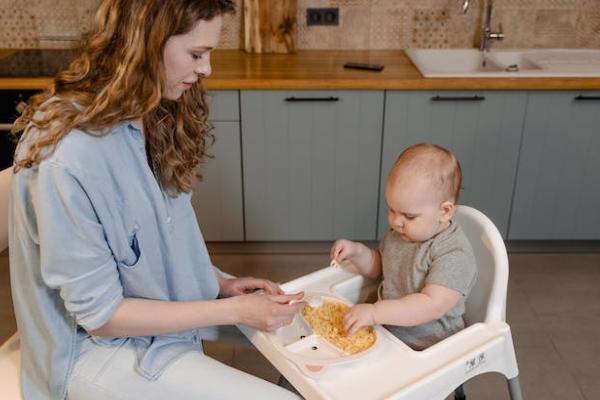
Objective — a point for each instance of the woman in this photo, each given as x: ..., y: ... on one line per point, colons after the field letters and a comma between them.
x: 111, y: 278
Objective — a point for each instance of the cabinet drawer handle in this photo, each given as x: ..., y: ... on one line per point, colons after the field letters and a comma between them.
x: 581, y: 97
x: 303, y: 99
x: 457, y: 98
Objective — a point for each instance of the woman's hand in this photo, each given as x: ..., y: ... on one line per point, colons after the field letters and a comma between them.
x: 268, y: 312
x: 239, y: 286
x: 359, y: 316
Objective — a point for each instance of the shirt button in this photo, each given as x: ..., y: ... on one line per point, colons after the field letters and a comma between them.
x: 168, y: 220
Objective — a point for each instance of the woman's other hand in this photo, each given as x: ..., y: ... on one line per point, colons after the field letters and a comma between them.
x: 238, y: 286
x: 267, y: 312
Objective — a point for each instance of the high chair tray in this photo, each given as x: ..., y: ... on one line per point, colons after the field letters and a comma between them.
x: 389, y: 368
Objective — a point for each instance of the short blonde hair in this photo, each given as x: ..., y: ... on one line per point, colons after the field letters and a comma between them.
x: 435, y: 163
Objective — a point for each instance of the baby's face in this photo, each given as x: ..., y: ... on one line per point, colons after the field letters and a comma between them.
x: 415, y: 210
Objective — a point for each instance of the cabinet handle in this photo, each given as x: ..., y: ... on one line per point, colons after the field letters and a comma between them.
x: 303, y: 99
x: 581, y: 97
x: 458, y: 98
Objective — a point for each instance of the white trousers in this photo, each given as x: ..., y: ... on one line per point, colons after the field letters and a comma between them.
x: 108, y: 373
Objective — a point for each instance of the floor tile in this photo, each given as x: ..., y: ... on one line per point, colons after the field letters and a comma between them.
x: 542, y: 372
x: 576, y: 342
x: 555, y: 285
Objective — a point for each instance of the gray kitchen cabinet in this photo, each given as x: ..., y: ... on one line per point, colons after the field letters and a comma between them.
x: 557, y: 194
x: 217, y: 199
x: 311, y: 163
x: 482, y: 128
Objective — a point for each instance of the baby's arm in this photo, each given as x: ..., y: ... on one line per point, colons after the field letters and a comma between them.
x: 415, y: 309
x: 366, y: 260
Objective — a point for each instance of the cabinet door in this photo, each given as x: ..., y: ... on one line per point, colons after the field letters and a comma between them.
x: 482, y: 129
x: 311, y: 164
x: 557, y: 194
x: 217, y: 199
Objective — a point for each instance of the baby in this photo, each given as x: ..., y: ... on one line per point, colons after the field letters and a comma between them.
x: 425, y: 261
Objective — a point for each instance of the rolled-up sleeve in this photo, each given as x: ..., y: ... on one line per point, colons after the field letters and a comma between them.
x: 75, y: 257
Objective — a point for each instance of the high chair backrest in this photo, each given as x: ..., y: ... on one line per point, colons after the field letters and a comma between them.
x: 5, y: 179
x: 487, y: 301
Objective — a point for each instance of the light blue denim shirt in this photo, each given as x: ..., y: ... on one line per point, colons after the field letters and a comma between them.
x: 90, y: 226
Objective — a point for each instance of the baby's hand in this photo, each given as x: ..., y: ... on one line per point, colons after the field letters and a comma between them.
x: 343, y: 249
x: 359, y: 316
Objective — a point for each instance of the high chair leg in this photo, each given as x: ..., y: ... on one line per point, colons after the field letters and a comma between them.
x: 514, y: 389
x: 459, y: 393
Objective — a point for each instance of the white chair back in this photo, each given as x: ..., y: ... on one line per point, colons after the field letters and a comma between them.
x: 5, y: 180
x: 487, y: 301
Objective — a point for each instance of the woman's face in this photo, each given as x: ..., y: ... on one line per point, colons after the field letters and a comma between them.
x: 187, y: 56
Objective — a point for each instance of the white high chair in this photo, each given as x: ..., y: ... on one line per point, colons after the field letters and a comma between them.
x: 487, y: 301
x: 10, y: 356
x: 393, y: 370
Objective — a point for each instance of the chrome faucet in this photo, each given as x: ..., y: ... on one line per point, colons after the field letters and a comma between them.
x: 487, y: 34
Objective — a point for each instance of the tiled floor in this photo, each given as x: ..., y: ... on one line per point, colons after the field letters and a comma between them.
x: 553, y: 309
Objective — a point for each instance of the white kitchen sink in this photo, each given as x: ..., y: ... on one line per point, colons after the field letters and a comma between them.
x: 506, y: 63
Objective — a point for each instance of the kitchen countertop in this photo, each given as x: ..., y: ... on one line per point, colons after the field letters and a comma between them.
x: 323, y: 69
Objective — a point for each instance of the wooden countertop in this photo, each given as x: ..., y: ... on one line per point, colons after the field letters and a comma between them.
x: 323, y: 69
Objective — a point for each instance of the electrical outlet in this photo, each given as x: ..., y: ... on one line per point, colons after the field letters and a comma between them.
x: 322, y: 16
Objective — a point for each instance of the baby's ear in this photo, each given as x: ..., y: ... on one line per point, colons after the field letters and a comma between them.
x: 446, y: 211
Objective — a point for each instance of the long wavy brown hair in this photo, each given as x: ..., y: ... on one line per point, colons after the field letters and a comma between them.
x: 119, y: 76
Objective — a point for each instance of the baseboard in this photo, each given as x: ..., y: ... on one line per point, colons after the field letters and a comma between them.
x: 553, y: 246
x: 320, y: 247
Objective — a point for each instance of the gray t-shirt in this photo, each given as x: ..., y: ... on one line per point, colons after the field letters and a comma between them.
x: 447, y: 260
